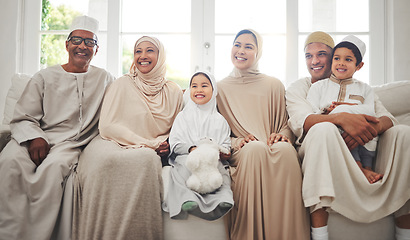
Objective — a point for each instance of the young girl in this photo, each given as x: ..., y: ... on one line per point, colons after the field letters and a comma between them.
x: 198, y: 119
x: 342, y: 93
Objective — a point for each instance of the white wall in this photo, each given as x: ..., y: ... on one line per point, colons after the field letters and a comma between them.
x: 9, y: 41
x: 401, y: 40
x: 398, y: 49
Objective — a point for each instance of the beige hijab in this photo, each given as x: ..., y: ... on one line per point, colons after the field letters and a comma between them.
x: 253, y: 103
x: 254, y: 69
x: 139, y: 109
x: 150, y: 83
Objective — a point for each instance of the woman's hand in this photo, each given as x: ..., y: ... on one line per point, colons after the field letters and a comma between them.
x: 277, y: 137
x: 163, y: 149
x: 247, y: 139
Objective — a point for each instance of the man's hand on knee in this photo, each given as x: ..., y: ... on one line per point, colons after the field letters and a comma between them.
x: 38, y: 150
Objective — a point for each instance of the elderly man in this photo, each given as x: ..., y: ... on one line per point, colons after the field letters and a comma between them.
x: 332, y: 178
x: 56, y: 116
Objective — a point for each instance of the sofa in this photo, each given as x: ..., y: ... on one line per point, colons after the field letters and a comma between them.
x: 396, y: 98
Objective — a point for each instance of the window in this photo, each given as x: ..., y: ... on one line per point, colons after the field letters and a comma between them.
x: 56, y: 19
x: 338, y: 18
x: 170, y: 23
x: 198, y: 34
x: 268, y: 18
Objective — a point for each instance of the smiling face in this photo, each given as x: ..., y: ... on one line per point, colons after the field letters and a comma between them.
x: 244, y: 51
x: 344, y: 63
x: 201, y: 89
x: 80, y: 56
x: 145, y: 56
x: 318, y: 58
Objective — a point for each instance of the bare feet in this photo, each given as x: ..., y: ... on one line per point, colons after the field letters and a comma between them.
x: 371, y: 176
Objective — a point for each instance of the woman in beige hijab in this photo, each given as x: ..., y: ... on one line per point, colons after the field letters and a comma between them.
x: 118, y: 186
x: 265, y: 172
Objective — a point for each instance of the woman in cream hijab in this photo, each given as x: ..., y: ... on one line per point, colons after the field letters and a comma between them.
x: 118, y: 186
x: 265, y: 172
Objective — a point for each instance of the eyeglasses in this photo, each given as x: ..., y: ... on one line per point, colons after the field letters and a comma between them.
x: 89, y: 42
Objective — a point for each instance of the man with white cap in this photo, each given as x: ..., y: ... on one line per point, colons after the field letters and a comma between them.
x: 331, y: 178
x: 56, y: 116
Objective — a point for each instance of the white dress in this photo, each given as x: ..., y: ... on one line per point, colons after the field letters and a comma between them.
x: 191, y: 125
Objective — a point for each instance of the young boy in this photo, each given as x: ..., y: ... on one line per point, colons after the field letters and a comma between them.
x: 342, y: 93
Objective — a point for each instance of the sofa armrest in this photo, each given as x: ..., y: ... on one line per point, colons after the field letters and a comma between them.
x: 5, y: 136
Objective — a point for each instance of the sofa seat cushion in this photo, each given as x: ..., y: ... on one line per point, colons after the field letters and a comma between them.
x: 341, y: 228
x: 193, y: 227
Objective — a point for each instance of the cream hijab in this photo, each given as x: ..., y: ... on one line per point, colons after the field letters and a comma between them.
x: 196, y: 121
x: 254, y: 69
x: 150, y: 83
x: 139, y: 109
x: 252, y: 102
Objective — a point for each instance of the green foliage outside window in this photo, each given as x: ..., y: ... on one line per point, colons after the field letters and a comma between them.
x: 53, y: 45
x: 127, y: 59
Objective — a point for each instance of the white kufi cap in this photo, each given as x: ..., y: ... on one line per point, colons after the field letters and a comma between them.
x: 85, y: 23
x: 357, y: 42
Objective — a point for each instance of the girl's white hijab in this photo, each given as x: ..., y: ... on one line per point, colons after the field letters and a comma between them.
x: 197, y: 121
x: 254, y: 69
x: 204, y: 110
x: 150, y: 83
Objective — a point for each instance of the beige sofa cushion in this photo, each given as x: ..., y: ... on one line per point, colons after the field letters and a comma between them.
x: 18, y: 83
x: 395, y: 97
x: 193, y: 227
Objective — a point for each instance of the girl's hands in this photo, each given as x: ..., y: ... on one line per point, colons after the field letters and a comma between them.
x: 224, y: 157
x: 163, y: 149
x: 277, y: 137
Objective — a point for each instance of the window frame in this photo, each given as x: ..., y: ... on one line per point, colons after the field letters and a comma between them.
x: 203, y: 31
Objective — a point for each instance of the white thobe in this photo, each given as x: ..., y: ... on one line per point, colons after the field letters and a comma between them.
x: 62, y: 108
x: 324, y: 92
x: 331, y: 177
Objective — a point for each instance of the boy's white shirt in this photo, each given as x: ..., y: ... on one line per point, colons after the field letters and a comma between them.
x: 322, y: 93
x: 299, y: 107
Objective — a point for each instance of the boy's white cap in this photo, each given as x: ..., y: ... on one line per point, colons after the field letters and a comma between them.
x: 357, y: 42
x: 85, y: 23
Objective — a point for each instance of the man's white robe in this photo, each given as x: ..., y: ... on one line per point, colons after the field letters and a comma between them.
x: 62, y: 108
x: 331, y: 177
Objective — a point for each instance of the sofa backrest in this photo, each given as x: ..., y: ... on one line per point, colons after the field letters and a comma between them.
x: 395, y: 97
x: 18, y: 83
